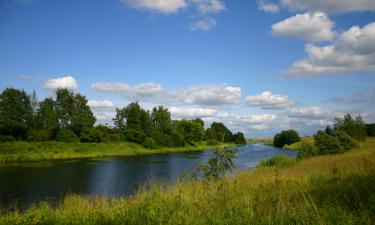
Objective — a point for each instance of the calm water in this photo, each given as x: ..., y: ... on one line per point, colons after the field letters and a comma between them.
x: 118, y: 176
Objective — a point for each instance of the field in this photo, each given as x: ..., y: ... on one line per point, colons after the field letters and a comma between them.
x: 33, y: 151
x: 332, y: 189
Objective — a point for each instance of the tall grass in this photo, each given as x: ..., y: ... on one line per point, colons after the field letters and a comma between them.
x: 333, y: 189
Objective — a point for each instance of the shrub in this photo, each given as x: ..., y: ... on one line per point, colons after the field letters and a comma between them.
x: 345, y: 140
x: 327, y: 144
x: 136, y: 136
x: 370, y: 129
x: 212, y: 142
x: 286, y: 137
x: 239, y: 138
x: 91, y: 135
x: 66, y: 135
x: 307, y: 150
x: 149, y: 142
x: 113, y: 138
x: 39, y: 135
x: 5, y: 138
x: 280, y: 160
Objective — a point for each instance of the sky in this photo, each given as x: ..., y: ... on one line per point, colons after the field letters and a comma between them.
x: 258, y: 66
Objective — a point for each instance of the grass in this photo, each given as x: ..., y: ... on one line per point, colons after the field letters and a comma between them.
x: 34, y: 151
x: 280, y: 161
x: 297, y: 145
x: 264, y: 140
x: 332, y: 189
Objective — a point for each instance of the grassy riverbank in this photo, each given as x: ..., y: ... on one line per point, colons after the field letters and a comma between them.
x: 331, y: 189
x: 33, y: 151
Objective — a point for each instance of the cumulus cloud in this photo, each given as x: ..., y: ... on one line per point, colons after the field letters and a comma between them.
x: 308, y: 26
x: 331, y: 6
x: 267, y: 100
x: 268, y: 6
x: 68, y: 82
x: 205, y: 24
x: 203, y: 95
x: 183, y: 112
x: 314, y: 113
x: 354, y: 51
x: 160, y: 6
x: 100, y: 104
x: 209, y: 6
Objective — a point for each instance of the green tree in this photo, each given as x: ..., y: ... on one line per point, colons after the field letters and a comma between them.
x: 16, y: 113
x: 73, y: 112
x: 162, y: 126
x: 286, y: 137
x: 239, y: 138
x: 46, y: 118
x: 192, y: 130
x: 220, y: 132
x: 327, y: 144
x: 355, y: 128
x: 370, y: 129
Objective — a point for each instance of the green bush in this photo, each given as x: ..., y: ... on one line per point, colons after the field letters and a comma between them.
x: 66, y: 135
x: 327, y: 144
x: 239, y: 138
x: 212, y: 142
x: 113, y: 138
x: 38, y: 135
x: 149, y: 143
x: 286, y: 137
x: 136, y: 136
x: 5, y: 138
x: 307, y: 150
x: 280, y: 160
x: 91, y: 135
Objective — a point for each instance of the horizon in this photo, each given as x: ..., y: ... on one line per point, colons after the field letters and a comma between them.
x: 257, y: 66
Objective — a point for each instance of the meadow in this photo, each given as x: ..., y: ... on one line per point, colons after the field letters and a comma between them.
x: 34, y: 151
x: 329, y: 189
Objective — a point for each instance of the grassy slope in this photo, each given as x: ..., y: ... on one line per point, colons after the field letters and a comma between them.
x: 299, y: 144
x: 31, y: 151
x: 334, y: 189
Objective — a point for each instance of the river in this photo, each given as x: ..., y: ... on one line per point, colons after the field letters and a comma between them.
x: 116, y: 176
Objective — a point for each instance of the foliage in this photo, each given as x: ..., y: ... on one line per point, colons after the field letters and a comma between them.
x: 149, y: 143
x: 280, y: 160
x: 239, y: 138
x: 286, y: 137
x: 356, y: 129
x: 91, y: 135
x: 370, y: 129
x: 15, y: 113
x: 47, y: 119
x: 219, y: 132
x: 5, y: 138
x: 327, y: 144
x: 66, y: 135
x: 218, y: 165
x: 192, y: 131
x: 307, y: 150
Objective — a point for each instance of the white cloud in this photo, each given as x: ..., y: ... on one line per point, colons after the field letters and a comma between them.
x: 314, y: 113
x: 160, y: 6
x: 100, y: 104
x: 68, y: 82
x: 267, y: 100
x: 179, y: 112
x: 209, y: 6
x: 205, y: 24
x: 354, y: 51
x: 268, y: 7
x: 331, y: 6
x: 309, y: 26
x: 212, y: 95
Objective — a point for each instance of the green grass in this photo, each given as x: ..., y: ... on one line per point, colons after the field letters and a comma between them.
x: 34, y: 151
x: 298, y: 145
x: 332, y: 189
x: 280, y: 160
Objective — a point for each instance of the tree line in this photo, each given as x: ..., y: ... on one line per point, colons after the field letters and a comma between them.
x: 68, y: 118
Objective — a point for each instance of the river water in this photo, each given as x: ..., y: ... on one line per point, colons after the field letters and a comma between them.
x: 115, y: 176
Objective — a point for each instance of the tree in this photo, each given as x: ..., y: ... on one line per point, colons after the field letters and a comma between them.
x: 354, y: 128
x: 46, y: 118
x: 327, y: 144
x: 15, y: 113
x: 219, y: 132
x: 162, y: 126
x: 286, y: 137
x: 73, y: 112
x: 239, y: 138
x: 370, y: 129
x: 191, y: 130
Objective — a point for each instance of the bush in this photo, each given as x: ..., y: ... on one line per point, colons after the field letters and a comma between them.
x: 286, y: 137
x: 149, y: 143
x: 39, y: 135
x: 327, y: 144
x: 345, y: 140
x: 307, y: 150
x: 136, y: 136
x: 91, y: 135
x: 113, y: 138
x: 370, y: 129
x: 66, y: 135
x: 5, y: 138
x: 280, y: 160
x: 212, y: 142
x: 239, y: 138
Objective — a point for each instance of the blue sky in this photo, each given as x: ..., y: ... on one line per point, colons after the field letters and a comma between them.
x: 258, y: 66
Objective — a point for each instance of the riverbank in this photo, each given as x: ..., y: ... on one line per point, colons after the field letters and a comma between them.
x: 35, y: 151
x: 331, y: 189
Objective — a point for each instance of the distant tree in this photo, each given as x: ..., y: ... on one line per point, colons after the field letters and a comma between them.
x: 73, y: 112
x: 286, y: 137
x: 239, y: 138
x: 220, y: 132
x: 46, y: 118
x: 355, y: 128
x: 16, y: 113
x: 162, y: 126
x: 191, y: 130
x: 91, y: 135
